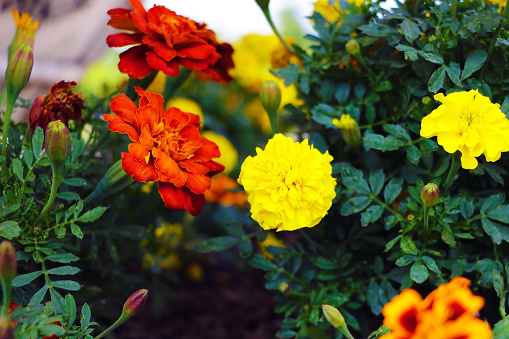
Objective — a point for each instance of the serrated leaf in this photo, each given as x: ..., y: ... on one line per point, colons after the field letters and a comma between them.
x: 371, y: 215
x: 418, y: 272
x: 17, y: 168
x: 397, y: 131
x: 85, y: 315
x: 70, y: 307
x: 436, y: 81
x: 76, y: 230
x: 78, y: 182
x: 354, y: 180
x: 501, y: 329
x: 410, y: 29
x: 496, y: 231
x: 64, y: 258
x: 324, y: 264
x: 25, y: 279
x: 217, y: 244
x: 413, y: 154
x: 355, y: 205
x: 381, y: 143
x: 60, y: 232
x: 68, y: 196
x: 391, y: 243
x: 9, y: 229
x: 500, y: 214
x: 491, y: 203
x: 454, y: 71
x: 342, y: 92
x: 37, y: 141
x: 64, y: 270
x: 393, y: 189
x: 38, y: 296
x: 407, y: 245
x: 259, y: 261
x: 376, y: 180
x: 405, y: 260
x: 474, y: 62
x: 58, y: 301
x: 92, y: 215
x: 431, y: 264
x: 66, y: 285
x: 373, y: 297
x: 245, y: 249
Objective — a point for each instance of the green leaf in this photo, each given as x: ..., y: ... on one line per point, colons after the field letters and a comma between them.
x: 436, y: 81
x: 391, y: 243
x: 434, y: 58
x: 431, y: 264
x: 342, y: 92
x: 453, y: 71
x: 217, y: 244
x: 496, y: 231
x: 355, y: 205
x: 393, y: 189
x: 246, y: 249
x: 410, y: 29
x: 408, y: 246
x: 76, y: 230
x: 405, y: 260
x: 353, y: 179
x: 285, y: 334
x: 37, y: 141
x: 381, y: 143
x: 492, y: 202
x: 25, y: 279
x: 58, y: 301
x: 373, y: 297
x: 259, y: 261
x: 64, y: 270
x: 66, y: 285
x: 413, y: 154
x: 501, y: 329
x: 77, y: 182
x: 474, y: 62
x: 466, y: 209
x: 92, y: 215
x: 17, y: 168
x: 70, y: 307
x: 85, y: 315
x: 500, y: 214
x: 38, y: 296
x: 77, y: 148
x: 9, y: 229
x: 418, y: 272
x: 64, y: 258
x: 376, y: 180
x: 325, y: 264
x: 397, y: 131
x: 60, y: 232
x: 68, y: 196
x: 372, y: 214
x: 9, y: 209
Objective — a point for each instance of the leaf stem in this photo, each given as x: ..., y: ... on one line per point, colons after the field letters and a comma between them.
x: 453, y: 170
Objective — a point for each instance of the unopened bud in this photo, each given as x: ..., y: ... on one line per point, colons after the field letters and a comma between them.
x: 426, y: 100
x: 429, y: 195
x: 349, y: 130
x: 8, y: 261
x: 353, y: 48
x: 135, y: 302
x: 270, y: 96
x: 335, y: 318
x: 57, y: 143
x: 18, y: 70
x: 6, y: 330
x: 284, y: 287
x: 264, y: 4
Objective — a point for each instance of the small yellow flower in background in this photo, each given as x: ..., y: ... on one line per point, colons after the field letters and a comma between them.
x: 349, y: 130
x: 157, y: 85
x: 188, y: 106
x: 102, y: 76
x: 271, y: 240
x: 329, y: 13
x: 160, y: 250
x: 25, y: 31
x: 450, y: 311
x: 470, y: 123
x: 289, y: 184
x: 256, y: 114
x: 229, y: 156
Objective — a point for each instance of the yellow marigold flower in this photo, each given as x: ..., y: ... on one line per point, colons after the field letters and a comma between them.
x: 271, y: 240
x: 349, y: 130
x: 468, y: 122
x: 25, y: 31
x: 446, y: 313
x: 329, y: 13
x: 187, y: 105
x: 157, y: 85
x: 289, y: 184
x: 229, y: 156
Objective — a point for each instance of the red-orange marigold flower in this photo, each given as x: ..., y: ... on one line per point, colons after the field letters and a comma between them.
x: 59, y: 104
x: 167, y: 147
x: 226, y: 191
x: 164, y: 41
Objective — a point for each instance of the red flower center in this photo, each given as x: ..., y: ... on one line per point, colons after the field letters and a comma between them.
x: 409, y: 320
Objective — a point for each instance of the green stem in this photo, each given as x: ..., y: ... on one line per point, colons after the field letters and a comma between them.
x: 416, y: 8
x: 55, y: 182
x: 6, y: 288
x: 453, y: 8
x: 493, y: 41
x: 426, y: 210
x: 455, y: 166
x: 172, y: 84
x: 266, y: 12
x: 3, y: 97
x: 123, y: 318
x: 5, y: 130
x: 346, y: 332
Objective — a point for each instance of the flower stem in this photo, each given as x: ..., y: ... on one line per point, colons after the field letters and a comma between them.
x: 453, y: 8
x: 2, y: 98
x: 5, y: 130
x: 172, y: 84
x: 55, y: 182
x: 505, y: 13
x: 426, y: 210
x: 6, y: 289
x: 266, y: 12
x: 122, y: 319
x: 455, y: 166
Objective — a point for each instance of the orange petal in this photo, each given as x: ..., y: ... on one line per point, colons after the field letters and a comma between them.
x: 125, y: 108
x: 181, y: 198
x: 138, y: 7
x: 207, y: 151
x: 133, y: 62
x: 214, y: 167
x: 166, y: 165
x: 139, y: 152
x: 123, y: 39
x: 116, y: 124
x: 139, y: 171
x: 198, y: 183
x: 170, y: 68
x: 194, y: 167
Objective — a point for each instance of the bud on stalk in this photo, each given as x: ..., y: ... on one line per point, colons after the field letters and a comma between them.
x: 18, y: 71
x: 429, y: 194
x: 6, y: 330
x: 8, y: 265
x: 336, y: 319
x: 135, y: 302
x: 349, y: 130
x: 270, y: 96
x: 57, y: 143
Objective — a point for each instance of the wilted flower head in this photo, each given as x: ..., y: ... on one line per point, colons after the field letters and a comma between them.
x: 166, y: 147
x: 25, y: 31
x: 59, y: 104
x: 289, y: 184
x: 164, y: 41
x: 470, y: 123
x: 447, y: 312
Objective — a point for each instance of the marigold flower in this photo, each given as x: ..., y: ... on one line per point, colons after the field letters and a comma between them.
x: 349, y: 130
x: 164, y: 41
x: 225, y: 191
x: 289, y: 184
x: 25, y: 31
x: 166, y: 147
x: 468, y: 122
x: 449, y: 312
x: 271, y: 240
x: 59, y: 104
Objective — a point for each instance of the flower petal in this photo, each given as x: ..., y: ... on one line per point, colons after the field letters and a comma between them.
x: 181, y: 198
x: 133, y: 62
x: 123, y: 39
x: 125, y: 108
x: 198, y: 183
x: 117, y: 124
x: 170, y: 68
x: 139, y: 171
x: 139, y: 152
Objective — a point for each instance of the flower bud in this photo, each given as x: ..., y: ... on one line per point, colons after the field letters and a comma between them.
x: 353, y: 48
x: 349, y: 130
x: 426, y: 100
x: 8, y: 261
x: 57, y: 143
x: 429, y: 195
x: 264, y: 4
x: 335, y: 318
x: 18, y: 70
x: 6, y: 330
x: 25, y: 31
x: 270, y: 96
x: 135, y: 302
x: 284, y: 287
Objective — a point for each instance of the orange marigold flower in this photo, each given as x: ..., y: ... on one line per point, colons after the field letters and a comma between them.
x: 166, y: 147
x: 164, y: 41
x: 226, y: 191
x: 59, y: 104
x: 449, y: 312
